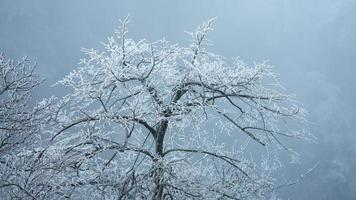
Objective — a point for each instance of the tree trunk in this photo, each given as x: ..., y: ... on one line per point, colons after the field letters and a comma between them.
x: 158, y: 175
x: 158, y: 190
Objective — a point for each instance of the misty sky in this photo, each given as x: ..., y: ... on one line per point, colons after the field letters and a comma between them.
x: 311, y: 43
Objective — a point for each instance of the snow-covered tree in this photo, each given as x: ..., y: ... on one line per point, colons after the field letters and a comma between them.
x: 21, y: 176
x: 154, y: 120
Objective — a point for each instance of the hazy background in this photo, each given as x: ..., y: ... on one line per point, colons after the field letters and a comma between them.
x: 311, y: 43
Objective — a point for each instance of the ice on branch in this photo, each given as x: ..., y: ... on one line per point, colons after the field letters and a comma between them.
x: 148, y: 120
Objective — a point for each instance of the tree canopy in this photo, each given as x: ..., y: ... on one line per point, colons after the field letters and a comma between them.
x: 155, y: 120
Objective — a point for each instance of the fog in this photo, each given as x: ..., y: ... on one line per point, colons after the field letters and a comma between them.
x: 312, y: 45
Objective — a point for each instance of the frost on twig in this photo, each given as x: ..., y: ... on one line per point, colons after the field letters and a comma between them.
x: 21, y: 177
